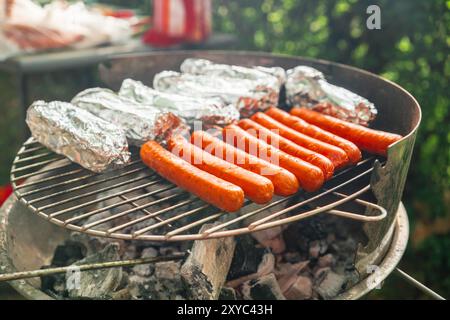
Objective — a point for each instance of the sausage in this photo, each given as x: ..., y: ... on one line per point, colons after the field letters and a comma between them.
x: 300, y: 125
x: 284, y: 182
x: 309, y: 176
x: 337, y: 156
x: 288, y: 146
x: 206, y: 186
x: 370, y: 140
x: 257, y: 188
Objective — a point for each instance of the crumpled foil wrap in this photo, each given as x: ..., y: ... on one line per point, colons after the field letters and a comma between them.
x: 206, y: 67
x: 308, y: 87
x: 93, y: 143
x: 140, y: 122
x: 249, y: 96
x: 209, y: 112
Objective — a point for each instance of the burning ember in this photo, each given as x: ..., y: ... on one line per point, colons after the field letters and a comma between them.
x: 311, y: 259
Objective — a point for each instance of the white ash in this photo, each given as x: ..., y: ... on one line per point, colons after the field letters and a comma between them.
x: 315, y: 263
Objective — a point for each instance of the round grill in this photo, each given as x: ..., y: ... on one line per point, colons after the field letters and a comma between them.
x: 134, y: 203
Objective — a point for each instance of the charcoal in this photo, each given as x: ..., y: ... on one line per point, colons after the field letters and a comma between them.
x: 123, y: 294
x: 92, y: 244
x: 169, y: 270
x: 65, y: 254
x: 165, y: 251
x: 329, y: 284
x: 54, y: 285
x: 129, y: 252
x: 227, y: 293
x: 149, y: 252
x: 264, y: 288
x: 98, y: 284
x: 246, y: 258
x: 301, y: 289
x: 326, y: 261
x: 165, y: 284
x: 265, y: 267
x: 287, y: 273
x: 293, y: 257
x: 207, y: 266
x: 68, y: 253
x: 314, y: 249
x: 143, y: 270
x: 317, y: 248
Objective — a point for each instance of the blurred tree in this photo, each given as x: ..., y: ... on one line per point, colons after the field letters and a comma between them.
x: 412, y: 49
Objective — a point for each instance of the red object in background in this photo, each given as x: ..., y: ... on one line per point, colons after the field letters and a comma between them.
x: 5, y: 192
x: 177, y: 21
x: 122, y: 14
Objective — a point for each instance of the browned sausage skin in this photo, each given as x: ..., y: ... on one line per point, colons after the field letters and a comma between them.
x: 337, y: 156
x: 284, y: 182
x: 300, y: 125
x: 288, y: 146
x: 370, y: 140
x: 257, y: 188
x: 207, y: 187
x: 310, y: 177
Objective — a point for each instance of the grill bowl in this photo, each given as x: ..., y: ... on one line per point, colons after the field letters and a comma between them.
x: 27, y: 242
x: 398, y: 112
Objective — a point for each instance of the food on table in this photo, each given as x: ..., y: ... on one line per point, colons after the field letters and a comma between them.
x: 337, y: 156
x: 93, y: 143
x: 306, y: 86
x: 298, y: 124
x: 257, y: 188
x: 285, y: 183
x: 139, y: 122
x: 204, y: 185
x: 210, y: 111
x: 370, y: 140
x: 309, y: 176
x: 288, y: 146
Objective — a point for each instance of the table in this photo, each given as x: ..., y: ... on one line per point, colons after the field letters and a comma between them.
x: 30, y: 64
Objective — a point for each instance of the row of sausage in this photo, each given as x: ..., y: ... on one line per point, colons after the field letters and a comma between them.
x: 275, y: 152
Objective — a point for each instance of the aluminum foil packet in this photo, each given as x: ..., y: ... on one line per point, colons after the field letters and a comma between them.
x: 308, y: 87
x: 210, y: 112
x: 91, y: 142
x: 140, y: 122
x: 249, y: 96
x: 206, y: 67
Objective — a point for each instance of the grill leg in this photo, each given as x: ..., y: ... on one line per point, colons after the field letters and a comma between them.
x: 419, y: 285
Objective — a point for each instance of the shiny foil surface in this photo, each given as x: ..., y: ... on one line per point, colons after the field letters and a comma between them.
x: 306, y: 86
x: 249, y: 96
x: 206, y: 67
x: 82, y: 137
x: 140, y: 122
x: 210, y: 111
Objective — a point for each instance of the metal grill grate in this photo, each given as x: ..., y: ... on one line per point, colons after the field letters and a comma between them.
x: 134, y: 203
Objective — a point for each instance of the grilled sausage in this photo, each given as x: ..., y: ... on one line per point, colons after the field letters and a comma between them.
x: 373, y: 141
x: 310, y: 177
x: 337, y: 156
x: 284, y: 182
x: 288, y: 146
x: 256, y: 187
x: 207, y: 187
x: 300, y: 125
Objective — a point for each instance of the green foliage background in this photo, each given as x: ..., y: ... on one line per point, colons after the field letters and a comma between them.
x: 412, y: 49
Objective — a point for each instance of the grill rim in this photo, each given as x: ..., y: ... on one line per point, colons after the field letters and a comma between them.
x: 177, y: 234
x: 387, y: 264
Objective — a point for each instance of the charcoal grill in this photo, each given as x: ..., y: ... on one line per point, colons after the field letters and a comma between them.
x: 67, y: 195
x: 145, y: 207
